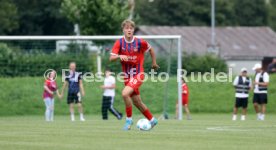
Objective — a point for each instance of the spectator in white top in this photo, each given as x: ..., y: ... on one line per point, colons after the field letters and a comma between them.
x: 260, y: 91
x: 243, y: 85
x: 108, y: 96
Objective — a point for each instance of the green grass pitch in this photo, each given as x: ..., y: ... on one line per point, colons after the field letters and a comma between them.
x: 205, y: 131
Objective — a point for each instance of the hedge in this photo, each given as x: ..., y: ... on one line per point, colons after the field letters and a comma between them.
x: 14, y: 62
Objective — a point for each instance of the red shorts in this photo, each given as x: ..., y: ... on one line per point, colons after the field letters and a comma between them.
x: 135, y: 83
x: 185, y: 101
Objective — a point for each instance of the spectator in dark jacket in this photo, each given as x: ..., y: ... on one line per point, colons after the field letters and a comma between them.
x: 272, y: 66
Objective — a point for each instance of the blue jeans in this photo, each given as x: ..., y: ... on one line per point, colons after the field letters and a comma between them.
x: 49, y: 113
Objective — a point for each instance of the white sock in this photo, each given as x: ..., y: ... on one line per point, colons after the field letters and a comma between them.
x: 242, y: 117
x: 72, y: 116
x: 234, y: 117
x: 81, y: 115
x: 128, y: 118
x: 152, y: 119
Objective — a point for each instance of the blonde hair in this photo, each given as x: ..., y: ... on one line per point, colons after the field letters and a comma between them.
x: 127, y: 21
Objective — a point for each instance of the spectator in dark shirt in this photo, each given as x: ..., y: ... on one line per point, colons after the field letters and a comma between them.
x: 272, y: 66
x: 75, y: 90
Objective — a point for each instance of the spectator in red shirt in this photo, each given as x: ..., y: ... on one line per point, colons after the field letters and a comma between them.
x: 50, y: 87
x: 185, y: 100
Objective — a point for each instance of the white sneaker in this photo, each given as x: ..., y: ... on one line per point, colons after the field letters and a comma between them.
x: 82, y: 119
x: 242, y: 117
x: 262, y: 117
x: 72, y: 118
x: 259, y: 116
x: 234, y: 118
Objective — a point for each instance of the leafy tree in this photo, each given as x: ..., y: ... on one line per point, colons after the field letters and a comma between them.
x: 160, y: 12
x: 272, y: 14
x: 8, y: 16
x: 250, y: 13
x: 41, y: 18
x: 198, y: 12
x: 184, y: 12
x: 225, y: 15
x: 96, y: 16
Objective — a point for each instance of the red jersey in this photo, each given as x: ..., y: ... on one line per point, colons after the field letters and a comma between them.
x: 134, y: 50
x: 185, y: 91
x: 52, y: 86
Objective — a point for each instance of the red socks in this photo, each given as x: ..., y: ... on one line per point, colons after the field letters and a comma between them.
x: 147, y: 114
x: 129, y: 111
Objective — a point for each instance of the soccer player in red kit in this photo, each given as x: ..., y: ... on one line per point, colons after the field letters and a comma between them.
x: 130, y: 50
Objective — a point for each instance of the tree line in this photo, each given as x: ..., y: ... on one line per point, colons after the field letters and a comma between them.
x: 57, y: 17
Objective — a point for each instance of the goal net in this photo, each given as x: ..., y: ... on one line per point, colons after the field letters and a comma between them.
x: 25, y: 60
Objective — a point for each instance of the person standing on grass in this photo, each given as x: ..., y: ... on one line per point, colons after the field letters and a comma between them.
x: 130, y: 50
x: 50, y: 87
x: 108, y: 96
x: 260, y: 91
x: 185, y: 100
x: 272, y: 67
x: 243, y: 84
x: 75, y: 90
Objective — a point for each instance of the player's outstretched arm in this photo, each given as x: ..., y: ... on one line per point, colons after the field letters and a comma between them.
x: 153, y: 57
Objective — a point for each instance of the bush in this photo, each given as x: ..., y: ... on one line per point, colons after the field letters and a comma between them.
x: 194, y: 63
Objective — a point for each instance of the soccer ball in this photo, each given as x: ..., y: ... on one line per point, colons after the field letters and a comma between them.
x: 143, y: 124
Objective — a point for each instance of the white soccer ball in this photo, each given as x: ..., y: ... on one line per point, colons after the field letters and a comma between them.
x: 143, y: 124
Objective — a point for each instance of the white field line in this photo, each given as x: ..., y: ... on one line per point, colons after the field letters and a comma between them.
x: 225, y: 128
